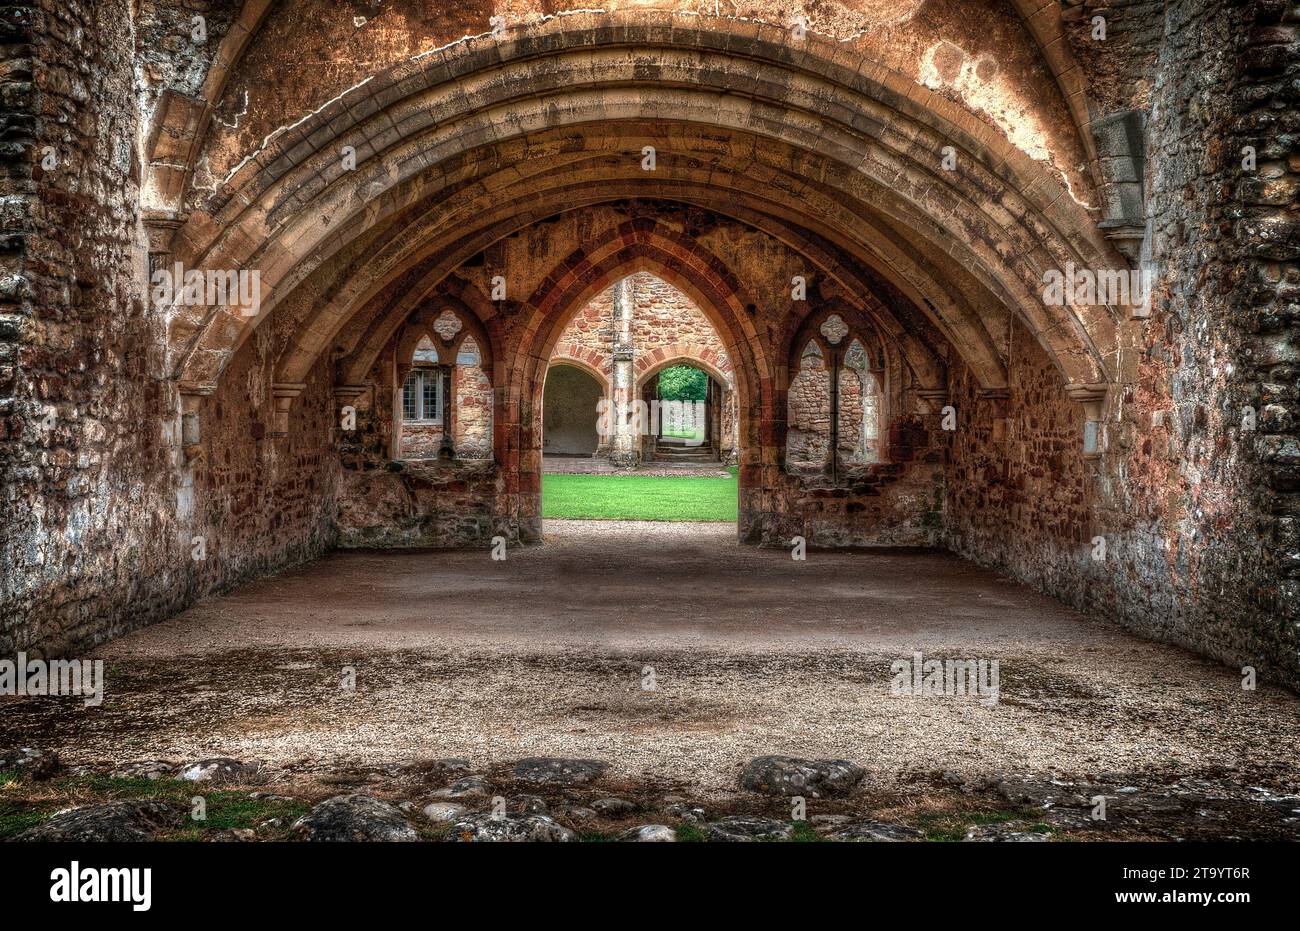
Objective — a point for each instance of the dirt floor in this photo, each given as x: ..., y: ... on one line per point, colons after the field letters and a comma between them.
x: 550, y: 652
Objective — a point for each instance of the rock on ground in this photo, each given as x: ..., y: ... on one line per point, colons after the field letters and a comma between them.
x: 111, y: 821
x: 684, y: 811
x: 555, y: 771
x: 650, y: 833
x: 746, y: 828
x: 483, y: 827
x: 355, y: 817
x: 30, y: 762
x: 217, y: 769
x: 787, y: 776
x: 1014, y: 831
x: 875, y: 831
x: 469, y: 787
x: 613, y: 807
x: 145, y: 769
x: 439, y: 812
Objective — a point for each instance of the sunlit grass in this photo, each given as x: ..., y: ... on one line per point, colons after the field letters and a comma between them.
x: 639, y: 497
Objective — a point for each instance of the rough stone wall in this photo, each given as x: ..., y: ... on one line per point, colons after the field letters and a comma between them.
x: 472, y: 414
x: 807, y: 440
x: 421, y: 440
x: 100, y: 510
x: 589, y: 336
x: 421, y: 503
x: 261, y: 502
x: 1198, y: 515
x: 1019, y: 492
x: 87, y: 541
x: 662, y: 318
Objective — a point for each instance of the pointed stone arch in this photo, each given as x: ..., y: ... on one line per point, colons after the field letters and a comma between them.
x: 289, y: 206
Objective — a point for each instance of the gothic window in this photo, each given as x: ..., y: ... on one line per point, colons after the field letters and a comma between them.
x: 835, y: 406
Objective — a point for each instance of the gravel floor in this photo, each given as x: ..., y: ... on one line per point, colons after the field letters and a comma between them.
x: 751, y: 653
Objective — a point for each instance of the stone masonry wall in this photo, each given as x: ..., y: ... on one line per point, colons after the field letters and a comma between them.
x: 100, y: 503
x: 1198, y: 512
x: 662, y: 318
x: 87, y: 540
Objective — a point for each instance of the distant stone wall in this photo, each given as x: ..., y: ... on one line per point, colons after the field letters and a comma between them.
x: 666, y: 327
x: 663, y: 318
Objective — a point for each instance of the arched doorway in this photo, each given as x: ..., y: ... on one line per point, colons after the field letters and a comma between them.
x: 569, y: 411
x: 695, y: 414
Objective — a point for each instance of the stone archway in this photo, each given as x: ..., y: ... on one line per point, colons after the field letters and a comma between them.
x: 1046, y: 234
x: 569, y: 411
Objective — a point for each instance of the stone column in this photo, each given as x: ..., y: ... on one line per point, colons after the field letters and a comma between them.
x: 625, y: 450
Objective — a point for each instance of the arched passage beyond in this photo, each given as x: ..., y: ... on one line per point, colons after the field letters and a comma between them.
x: 569, y: 411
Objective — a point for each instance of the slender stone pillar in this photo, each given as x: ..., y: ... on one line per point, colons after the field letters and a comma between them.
x: 625, y: 451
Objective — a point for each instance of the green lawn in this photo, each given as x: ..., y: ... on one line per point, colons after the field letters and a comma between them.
x: 639, y: 497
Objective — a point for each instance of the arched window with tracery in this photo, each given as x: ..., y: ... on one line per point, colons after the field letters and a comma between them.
x: 835, y: 404
x: 443, y: 404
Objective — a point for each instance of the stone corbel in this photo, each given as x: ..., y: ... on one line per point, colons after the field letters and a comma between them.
x: 284, y: 393
x: 346, y: 396
x: 1126, y: 238
x: 1093, y: 399
x: 936, y: 398
x: 160, y: 230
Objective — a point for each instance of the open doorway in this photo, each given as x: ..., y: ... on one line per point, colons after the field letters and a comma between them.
x: 570, y: 400
x: 639, y: 412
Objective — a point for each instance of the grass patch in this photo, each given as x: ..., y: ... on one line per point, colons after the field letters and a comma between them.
x: 24, y: 804
x: 804, y: 833
x: 683, y: 433
x: 953, y: 825
x: 639, y: 497
x: 227, y: 810
x: 688, y: 833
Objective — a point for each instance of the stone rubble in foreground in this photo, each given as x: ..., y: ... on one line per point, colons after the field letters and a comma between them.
x: 572, y: 800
